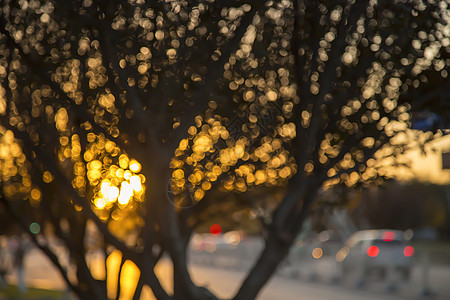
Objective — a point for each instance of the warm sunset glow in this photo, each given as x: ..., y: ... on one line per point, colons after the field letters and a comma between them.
x: 112, y: 272
x: 104, y: 187
x: 126, y: 192
x: 135, y: 182
x: 243, y: 115
x: 270, y: 166
x: 114, y: 178
x: 100, y: 203
x: 135, y: 166
x: 112, y: 194
x: 128, y: 279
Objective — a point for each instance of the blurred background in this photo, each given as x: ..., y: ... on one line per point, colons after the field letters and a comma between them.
x: 204, y: 150
x: 406, y: 217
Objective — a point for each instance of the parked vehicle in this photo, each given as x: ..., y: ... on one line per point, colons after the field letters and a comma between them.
x: 220, y: 249
x: 216, y: 242
x: 318, y: 245
x: 376, y: 252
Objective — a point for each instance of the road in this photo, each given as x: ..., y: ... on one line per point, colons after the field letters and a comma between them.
x: 321, y: 283
x: 314, y: 281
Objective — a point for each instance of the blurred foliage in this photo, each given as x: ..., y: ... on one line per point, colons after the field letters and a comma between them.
x: 108, y: 109
x: 72, y: 95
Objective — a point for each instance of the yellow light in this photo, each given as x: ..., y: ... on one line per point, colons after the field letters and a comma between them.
x: 128, y: 279
x: 35, y: 194
x: 271, y: 95
x: 202, y: 144
x: 135, y: 182
x: 100, y: 203
x: 199, y: 194
x: 135, y: 166
x: 96, y: 164
x: 317, y: 253
x: 120, y: 173
x: 127, y: 175
x: 239, y: 151
x: 217, y: 170
x: 126, y: 192
x: 178, y: 174
x: 109, y: 146
x: 112, y: 194
x: 183, y: 144
x: 93, y: 175
x: 123, y: 161
x: 260, y: 176
x: 112, y: 273
x: 47, y: 177
x: 206, y: 185
x: 142, y: 178
x: 104, y: 187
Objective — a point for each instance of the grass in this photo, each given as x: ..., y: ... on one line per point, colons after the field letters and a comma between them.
x: 11, y: 292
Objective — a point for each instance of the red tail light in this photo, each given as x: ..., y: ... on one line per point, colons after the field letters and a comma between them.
x: 408, y: 251
x: 373, y: 251
x: 215, y: 229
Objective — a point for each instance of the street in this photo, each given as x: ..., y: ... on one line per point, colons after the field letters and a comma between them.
x: 314, y: 281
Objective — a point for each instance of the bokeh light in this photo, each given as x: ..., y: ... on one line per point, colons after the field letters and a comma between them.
x: 317, y: 253
x: 35, y: 228
x: 215, y: 229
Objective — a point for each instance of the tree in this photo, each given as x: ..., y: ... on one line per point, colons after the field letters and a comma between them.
x: 125, y: 114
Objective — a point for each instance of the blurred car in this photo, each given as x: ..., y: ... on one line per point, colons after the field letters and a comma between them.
x: 376, y: 252
x: 221, y: 249
x: 215, y: 242
x: 317, y: 245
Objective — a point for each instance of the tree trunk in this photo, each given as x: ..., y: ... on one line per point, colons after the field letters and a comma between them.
x: 273, y: 253
x: 165, y: 213
x: 286, y: 224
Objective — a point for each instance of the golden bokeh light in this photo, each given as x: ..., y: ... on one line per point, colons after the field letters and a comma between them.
x: 100, y: 203
x: 123, y: 161
x: 135, y: 166
x: 317, y: 253
x: 264, y: 102
x: 112, y: 193
x: 199, y: 160
x: 113, y: 175
x: 135, y: 182
x: 47, y: 177
x: 126, y: 192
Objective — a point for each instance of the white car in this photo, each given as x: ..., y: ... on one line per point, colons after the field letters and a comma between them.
x: 376, y: 252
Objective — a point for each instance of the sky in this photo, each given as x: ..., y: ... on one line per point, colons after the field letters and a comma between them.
x: 428, y: 167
